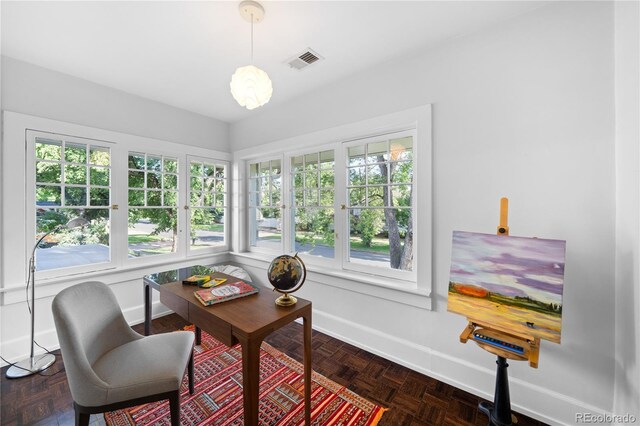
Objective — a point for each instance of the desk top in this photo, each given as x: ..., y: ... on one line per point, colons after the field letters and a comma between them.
x: 166, y: 277
x: 249, y: 315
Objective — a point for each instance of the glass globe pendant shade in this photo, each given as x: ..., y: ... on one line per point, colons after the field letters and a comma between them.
x: 251, y: 87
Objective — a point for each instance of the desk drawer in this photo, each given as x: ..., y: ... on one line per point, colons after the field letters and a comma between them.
x: 217, y: 328
x: 175, y: 303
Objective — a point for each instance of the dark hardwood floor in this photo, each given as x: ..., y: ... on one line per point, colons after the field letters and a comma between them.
x: 412, y: 398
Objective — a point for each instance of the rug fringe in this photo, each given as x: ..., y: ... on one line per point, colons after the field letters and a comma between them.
x: 378, y: 416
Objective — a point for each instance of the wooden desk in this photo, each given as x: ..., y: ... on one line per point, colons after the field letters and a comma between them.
x: 155, y: 280
x: 247, y: 321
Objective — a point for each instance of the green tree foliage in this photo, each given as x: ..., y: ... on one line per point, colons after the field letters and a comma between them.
x: 369, y: 225
x: 49, y: 219
x: 163, y: 219
x: 314, y: 225
x: 97, y: 232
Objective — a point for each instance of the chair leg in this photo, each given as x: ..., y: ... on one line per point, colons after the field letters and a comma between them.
x: 82, y: 419
x: 190, y: 374
x: 174, y: 406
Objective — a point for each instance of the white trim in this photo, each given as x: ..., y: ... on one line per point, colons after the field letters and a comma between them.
x: 289, y: 194
x: 249, y: 223
x: 30, y: 195
x: 526, y: 398
x: 14, y: 209
x: 418, y: 119
x: 227, y: 207
x: 49, y: 339
x: 49, y: 288
x: 370, y: 285
x: 365, y: 266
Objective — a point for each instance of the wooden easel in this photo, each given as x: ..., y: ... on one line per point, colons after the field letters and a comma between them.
x: 499, y: 412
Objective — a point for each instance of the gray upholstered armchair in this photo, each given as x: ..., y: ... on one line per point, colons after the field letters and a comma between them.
x: 109, y: 366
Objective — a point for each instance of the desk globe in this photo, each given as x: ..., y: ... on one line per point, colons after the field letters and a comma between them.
x: 286, y: 275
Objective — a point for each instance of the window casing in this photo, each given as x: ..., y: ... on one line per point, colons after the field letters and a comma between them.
x: 208, y: 204
x: 265, y: 205
x: 133, y: 199
x: 312, y: 200
x: 380, y: 205
x: 349, y: 205
x: 72, y: 178
x: 152, y: 212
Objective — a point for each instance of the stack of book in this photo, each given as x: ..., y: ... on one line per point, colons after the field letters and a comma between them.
x: 224, y: 292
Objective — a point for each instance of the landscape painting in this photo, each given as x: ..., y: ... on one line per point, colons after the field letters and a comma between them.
x: 510, y: 283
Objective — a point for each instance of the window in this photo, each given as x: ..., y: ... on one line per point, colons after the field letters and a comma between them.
x: 134, y: 192
x: 359, y: 213
x: 153, y: 204
x: 265, y: 193
x: 72, y: 179
x: 312, y: 198
x: 208, y: 202
x: 380, y: 202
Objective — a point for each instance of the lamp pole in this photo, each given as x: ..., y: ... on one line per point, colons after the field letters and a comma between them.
x: 35, y: 364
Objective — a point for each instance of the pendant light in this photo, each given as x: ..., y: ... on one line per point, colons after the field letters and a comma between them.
x: 250, y: 86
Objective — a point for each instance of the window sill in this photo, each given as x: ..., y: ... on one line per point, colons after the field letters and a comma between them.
x: 406, y: 292
x: 49, y: 287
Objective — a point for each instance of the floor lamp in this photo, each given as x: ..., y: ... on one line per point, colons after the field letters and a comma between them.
x: 35, y: 364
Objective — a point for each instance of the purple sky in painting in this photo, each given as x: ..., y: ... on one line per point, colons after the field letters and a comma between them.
x: 511, y: 266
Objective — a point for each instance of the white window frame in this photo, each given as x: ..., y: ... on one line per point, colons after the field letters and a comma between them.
x: 414, y: 290
x: 30, y: 200
x: 18, y: 207
x: 374, y: 268
x: 227, y: 206
x: 288, y: 195
x: 181, y: 249
x: 283, y: 206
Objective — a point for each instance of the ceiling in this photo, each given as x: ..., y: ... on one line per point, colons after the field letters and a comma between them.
x: 184, y: 53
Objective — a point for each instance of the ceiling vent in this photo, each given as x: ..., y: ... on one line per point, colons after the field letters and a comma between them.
x: 304, y: 59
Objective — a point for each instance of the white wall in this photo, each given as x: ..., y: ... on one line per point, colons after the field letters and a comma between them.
x: 627, y: 69
x: 525, y: 110
x: 85, y: 109
x: 38, y: 91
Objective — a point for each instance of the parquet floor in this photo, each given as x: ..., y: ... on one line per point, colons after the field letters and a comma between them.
x: 412, y: 398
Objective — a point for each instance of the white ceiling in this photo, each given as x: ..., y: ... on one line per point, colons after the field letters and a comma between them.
x: 184, y: 53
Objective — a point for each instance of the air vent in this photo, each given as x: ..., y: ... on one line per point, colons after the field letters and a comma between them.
x: 304, y: 59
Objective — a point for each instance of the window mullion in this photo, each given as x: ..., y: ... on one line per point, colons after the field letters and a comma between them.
x: 119, y: 197
x: 184, y: 227
x: 286, y: 200
x: 340, y: 199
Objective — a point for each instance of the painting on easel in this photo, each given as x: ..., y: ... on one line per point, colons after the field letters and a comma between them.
x: 513, y: 284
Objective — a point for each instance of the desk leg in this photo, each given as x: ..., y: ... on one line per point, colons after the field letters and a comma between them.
x: 147, y: 309
x: 307, y: 368
x: 198, y: 335
x: 251, y: 379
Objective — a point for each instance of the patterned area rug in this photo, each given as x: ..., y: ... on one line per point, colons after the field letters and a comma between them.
x: 218, y: 394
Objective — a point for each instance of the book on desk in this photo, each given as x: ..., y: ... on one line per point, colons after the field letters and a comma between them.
x: 225, y: 292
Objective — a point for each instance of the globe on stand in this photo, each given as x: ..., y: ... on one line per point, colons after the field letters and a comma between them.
x: 286, y: 274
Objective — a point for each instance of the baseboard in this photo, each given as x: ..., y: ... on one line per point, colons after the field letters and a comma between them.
x: 544, y: 405
x: 49, y: 339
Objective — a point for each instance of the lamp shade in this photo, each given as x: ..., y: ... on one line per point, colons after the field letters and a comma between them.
x: 251, y: 87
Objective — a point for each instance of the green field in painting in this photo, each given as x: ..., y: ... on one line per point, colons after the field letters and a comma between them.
x: 505, y: 317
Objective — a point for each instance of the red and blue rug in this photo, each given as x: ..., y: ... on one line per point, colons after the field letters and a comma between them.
x: 218, y: 394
